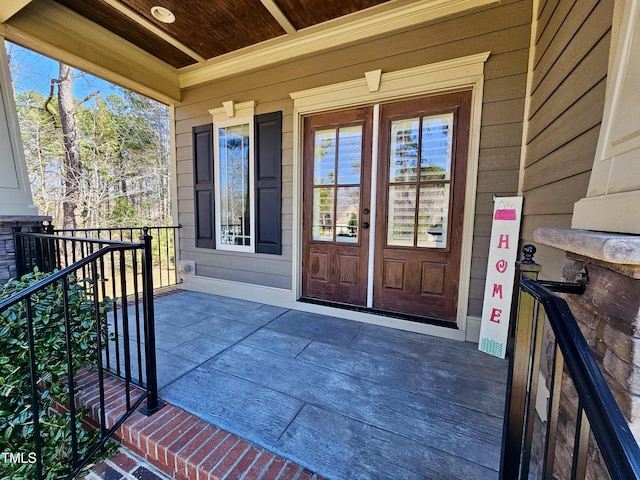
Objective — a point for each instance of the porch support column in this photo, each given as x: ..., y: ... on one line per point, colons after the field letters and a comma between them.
x: 613, y: 197
x: 16, y: 203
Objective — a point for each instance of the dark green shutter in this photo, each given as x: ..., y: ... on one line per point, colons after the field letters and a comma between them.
x: 203, y: 186
x: 268, y: 182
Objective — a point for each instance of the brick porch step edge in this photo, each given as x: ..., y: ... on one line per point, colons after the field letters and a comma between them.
x: 180, y: 444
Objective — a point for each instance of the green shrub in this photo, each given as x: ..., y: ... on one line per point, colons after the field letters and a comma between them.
x: 16, y: 418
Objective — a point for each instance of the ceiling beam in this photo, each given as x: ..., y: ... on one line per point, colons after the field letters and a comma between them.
x: 8, y: 8
x: 139, y: 19
x: 280, y: 17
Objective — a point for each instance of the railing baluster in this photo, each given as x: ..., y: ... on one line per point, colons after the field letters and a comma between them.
x: 580, y: 445
x: 70, y: 372
x: 125, y: 328
x: 536, y: 349
x: 555, y: 391
x: 98, y: 316
x: 35, y: 395
x: 136, y: 289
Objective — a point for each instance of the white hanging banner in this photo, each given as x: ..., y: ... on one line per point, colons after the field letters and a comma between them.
x: 503, y: 252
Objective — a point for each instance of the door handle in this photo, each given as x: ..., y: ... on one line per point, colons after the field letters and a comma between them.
x: 365, y: 224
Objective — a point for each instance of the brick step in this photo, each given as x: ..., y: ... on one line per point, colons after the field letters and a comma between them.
x: 180, y: 444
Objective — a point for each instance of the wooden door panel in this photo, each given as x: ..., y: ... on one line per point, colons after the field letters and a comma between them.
x: 432, y: 278
x: 421, y: 186
x: 336, y: 172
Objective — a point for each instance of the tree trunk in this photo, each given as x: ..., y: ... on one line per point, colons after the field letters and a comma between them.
x: 72, y: 163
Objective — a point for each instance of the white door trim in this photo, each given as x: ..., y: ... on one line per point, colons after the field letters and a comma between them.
x: 451, y: 75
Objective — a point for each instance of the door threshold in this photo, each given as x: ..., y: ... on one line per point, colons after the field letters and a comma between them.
x: 382, y: 313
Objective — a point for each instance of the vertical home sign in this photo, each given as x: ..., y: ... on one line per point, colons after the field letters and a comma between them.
x: 498, y: 291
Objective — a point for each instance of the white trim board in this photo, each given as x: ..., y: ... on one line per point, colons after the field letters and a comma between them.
x: 451, y: 75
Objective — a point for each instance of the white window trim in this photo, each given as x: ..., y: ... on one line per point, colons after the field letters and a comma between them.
x: 232, y: 114
x: 441, y: 77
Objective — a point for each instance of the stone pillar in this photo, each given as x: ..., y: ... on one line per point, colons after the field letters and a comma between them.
x: 608, y: 314
x: 7, y: 248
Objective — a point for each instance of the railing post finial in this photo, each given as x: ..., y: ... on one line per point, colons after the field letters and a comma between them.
x: 528, y: 252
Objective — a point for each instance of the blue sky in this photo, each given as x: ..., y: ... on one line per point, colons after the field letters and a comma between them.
x: 32, y: 71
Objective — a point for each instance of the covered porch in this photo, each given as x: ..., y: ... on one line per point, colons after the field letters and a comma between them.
x: 341, y: 398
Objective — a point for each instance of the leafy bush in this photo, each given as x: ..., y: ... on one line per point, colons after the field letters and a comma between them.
x: 16, y: 418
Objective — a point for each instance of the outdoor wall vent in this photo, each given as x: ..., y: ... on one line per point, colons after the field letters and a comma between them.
x: 187, y: 267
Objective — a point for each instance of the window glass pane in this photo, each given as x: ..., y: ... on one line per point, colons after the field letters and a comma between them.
x: 433, y: 215
x: 322, y: 227
x: 347, y: 214
x: 401, y: 215
x: 234, y: 185
x: 349, y: 154
x: 324, y: 158
x: 403, y: 160
x: 437, y: 136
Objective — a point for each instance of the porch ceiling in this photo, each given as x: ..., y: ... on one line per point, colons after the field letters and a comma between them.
x: 121, y: 41
x: 205, y: 29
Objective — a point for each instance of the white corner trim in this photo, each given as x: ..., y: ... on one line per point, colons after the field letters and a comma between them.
x: 230, y: 109
x: 472, y: 332
x: 428, y: 79
x: 357, y: 27
x: 373, y: 79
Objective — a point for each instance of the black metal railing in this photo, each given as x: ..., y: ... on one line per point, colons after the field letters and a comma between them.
x: 599, y: 424
x: 50, y: 253
x: 123, y: 324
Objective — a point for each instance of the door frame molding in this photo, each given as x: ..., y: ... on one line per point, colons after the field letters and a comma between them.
x: 464, y: 73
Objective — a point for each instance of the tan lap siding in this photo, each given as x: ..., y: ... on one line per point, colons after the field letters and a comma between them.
x: 567, y: 101
x: 503, y: 29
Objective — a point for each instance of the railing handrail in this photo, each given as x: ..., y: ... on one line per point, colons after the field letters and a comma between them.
x: 613, y: 435
x: 57, y: 276
x: 115, y: 229
x: 101, y: 241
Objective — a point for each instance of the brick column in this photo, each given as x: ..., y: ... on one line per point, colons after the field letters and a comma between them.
x: 7, y: 250
x: 608, y: 314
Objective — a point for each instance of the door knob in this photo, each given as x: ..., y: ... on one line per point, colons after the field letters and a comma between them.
x: 365, y: 211
x: 365, y: 224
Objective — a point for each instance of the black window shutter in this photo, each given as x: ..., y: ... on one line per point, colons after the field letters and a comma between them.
x: 268, y: 182
x: 203, y: 186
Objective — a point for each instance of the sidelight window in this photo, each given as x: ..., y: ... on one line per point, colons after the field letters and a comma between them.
x: 233, y: 147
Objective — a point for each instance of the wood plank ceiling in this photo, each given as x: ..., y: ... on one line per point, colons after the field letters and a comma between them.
x: 205, y: 29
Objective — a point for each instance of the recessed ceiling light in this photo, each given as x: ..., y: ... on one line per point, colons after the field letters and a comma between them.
x: 163, y: 14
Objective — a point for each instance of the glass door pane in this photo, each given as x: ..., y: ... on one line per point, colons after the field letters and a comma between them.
x: 418, y: 203
x: 337, y: 166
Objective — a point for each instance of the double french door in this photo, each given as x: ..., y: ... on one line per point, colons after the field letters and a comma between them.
x: 402, y: 253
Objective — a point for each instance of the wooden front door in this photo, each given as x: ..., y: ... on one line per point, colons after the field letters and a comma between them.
x: 422, y: 171
x: 337, y: 161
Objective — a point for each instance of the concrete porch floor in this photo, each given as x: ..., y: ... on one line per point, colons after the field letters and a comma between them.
x: 344, y: 399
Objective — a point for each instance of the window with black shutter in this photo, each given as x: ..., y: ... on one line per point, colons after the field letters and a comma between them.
x: 254, y: 197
